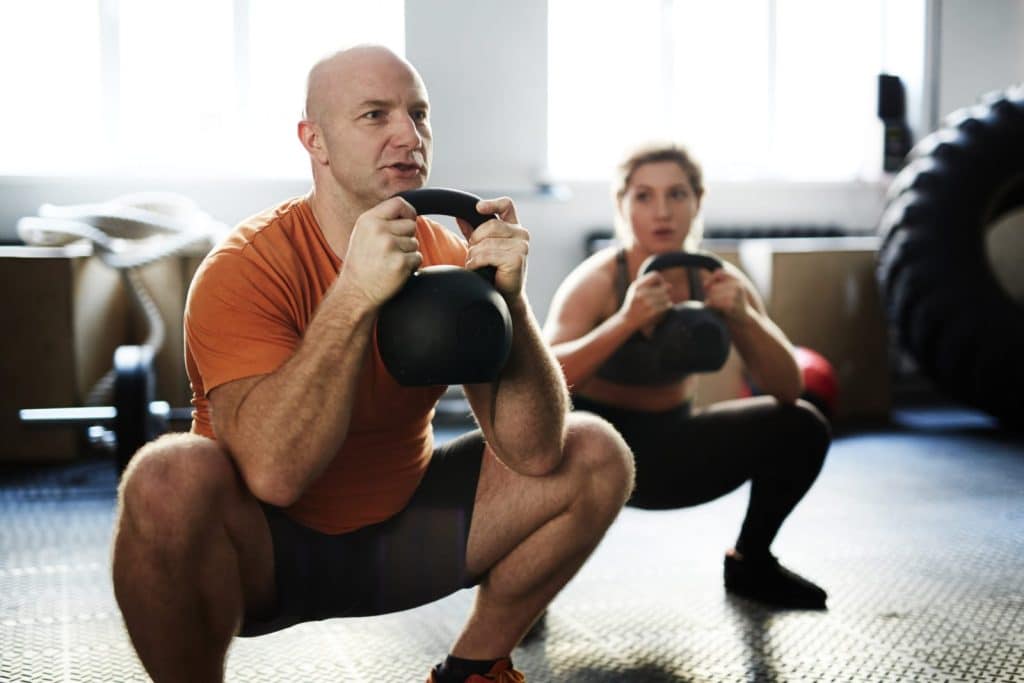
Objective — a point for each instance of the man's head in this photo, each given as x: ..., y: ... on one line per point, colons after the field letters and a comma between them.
x: 366, y: 126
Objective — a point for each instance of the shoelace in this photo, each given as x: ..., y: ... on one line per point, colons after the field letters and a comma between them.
x: 507, y: 676
x: 503, y: 675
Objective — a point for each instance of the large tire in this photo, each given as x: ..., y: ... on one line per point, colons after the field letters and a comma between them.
x: 948, y: 308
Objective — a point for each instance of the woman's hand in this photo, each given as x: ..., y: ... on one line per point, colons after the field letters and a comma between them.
x: 647, y: 300
x: 726, y: 293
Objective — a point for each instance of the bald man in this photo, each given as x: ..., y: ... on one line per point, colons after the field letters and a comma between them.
x: 309, y: 486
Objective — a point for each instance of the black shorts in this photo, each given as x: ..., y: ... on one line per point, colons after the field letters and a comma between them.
x: 415, y: 557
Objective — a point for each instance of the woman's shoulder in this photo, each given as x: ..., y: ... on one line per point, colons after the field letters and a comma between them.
x: 591, y: 280
x: 601, y: 263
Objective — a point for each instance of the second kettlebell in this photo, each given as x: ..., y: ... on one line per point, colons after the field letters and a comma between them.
x: 689, y: 339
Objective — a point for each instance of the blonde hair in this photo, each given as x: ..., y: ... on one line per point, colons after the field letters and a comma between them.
x: 652, y: 153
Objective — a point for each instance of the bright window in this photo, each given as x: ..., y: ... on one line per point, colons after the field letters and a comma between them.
x: 758, y: 89
x: 186, y: 88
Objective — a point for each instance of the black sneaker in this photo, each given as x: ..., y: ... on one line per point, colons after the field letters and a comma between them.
x: 767, y: 581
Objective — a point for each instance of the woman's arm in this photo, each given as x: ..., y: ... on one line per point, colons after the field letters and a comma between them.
x: 766, y: 351
x: 582, y: 327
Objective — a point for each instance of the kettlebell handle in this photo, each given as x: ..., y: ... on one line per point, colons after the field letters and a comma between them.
x: 444, y: 201
x: 681, y: 259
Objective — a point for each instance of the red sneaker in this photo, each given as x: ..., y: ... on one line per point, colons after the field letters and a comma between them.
x: 501, y: 672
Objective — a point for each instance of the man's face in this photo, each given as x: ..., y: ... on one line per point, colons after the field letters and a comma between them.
x: 376, y: 128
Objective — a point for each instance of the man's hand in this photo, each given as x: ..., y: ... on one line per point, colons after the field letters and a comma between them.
x: 500, y: 242
x: 382, y: 251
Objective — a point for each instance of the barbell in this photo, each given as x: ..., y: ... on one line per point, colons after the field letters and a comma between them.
x: 134, y: 419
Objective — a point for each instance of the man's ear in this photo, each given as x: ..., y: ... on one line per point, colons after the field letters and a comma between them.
x: 312, y: 139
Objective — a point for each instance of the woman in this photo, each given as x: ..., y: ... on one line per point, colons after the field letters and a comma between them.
x: 686, y: 456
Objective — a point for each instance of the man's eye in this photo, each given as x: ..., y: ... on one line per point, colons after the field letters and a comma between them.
x: 373, y: 115
x: 420, y: 115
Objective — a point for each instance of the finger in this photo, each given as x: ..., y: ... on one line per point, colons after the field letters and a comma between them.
x: 408, y: 262
x: 395, y: 207
x: 499, y: 230
x: 499, y: 253
x: 407, y: 244
x: 716, y: 277
x: 503, y: 206
x: 401, y: 227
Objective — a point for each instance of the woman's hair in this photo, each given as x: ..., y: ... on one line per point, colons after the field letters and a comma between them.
x: 648, y: 154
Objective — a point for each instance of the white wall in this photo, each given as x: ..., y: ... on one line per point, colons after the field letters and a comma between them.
x: 484, y: 62
x: 982, y: 49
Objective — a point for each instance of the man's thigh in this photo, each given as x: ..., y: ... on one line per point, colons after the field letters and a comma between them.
x: 415, y: 557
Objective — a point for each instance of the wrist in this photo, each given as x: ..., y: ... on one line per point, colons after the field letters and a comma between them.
x: 518, y: 306
x: 622, y: 320
x: 353, y: 299
x: 743, y: 324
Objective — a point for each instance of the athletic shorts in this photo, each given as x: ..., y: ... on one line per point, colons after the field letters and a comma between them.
x: 415, y: 557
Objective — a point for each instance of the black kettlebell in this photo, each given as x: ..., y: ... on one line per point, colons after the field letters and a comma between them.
x: 446, y: 325
x: 693, y: 338
x: 689, y: 339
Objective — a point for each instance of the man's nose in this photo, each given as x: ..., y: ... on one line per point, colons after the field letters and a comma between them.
x: 407, y: 133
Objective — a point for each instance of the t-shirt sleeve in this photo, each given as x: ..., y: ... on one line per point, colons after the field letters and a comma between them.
x: 237, y: 321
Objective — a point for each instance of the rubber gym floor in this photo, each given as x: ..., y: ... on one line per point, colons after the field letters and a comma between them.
x: 915, y: 527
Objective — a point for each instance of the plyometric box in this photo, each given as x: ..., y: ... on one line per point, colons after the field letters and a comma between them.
x: 65, y: 313
x: 823, y: 293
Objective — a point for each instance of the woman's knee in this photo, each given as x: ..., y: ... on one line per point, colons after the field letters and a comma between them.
x: 598, y: 454
x: 808, y: 433
x: 813, y: 425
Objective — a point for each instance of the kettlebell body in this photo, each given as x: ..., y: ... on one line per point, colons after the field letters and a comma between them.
x: 446, y: 325
x: 689, y: 339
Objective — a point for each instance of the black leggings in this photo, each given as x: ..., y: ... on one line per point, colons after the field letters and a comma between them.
x: 685, y: 457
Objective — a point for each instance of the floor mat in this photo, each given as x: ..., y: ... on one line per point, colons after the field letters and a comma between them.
x: 916, y: 530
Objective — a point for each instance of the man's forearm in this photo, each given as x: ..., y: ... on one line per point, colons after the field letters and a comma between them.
x: 531, y: 398
x: 291, y: 423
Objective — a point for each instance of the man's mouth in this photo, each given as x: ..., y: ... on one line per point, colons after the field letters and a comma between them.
x: 406, y: 167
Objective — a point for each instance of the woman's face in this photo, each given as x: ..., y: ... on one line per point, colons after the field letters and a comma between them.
x: 659, y: 206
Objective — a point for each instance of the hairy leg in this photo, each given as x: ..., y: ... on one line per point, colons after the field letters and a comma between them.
x: 530, y: 535
x: 191, y: 554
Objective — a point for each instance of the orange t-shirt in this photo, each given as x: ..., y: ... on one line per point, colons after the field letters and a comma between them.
x: 248, y: 306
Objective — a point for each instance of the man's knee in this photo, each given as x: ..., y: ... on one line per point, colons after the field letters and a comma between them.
x: 172, y: 480
x: 600, y: 456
